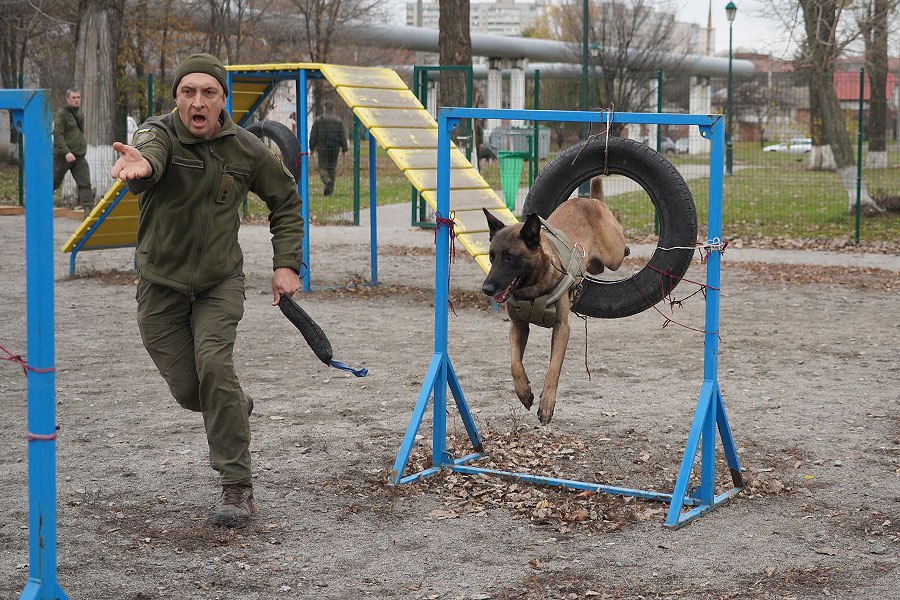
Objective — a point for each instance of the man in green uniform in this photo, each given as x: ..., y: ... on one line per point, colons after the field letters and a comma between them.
x: 192, y: 168
x: 326, y: 139
x: 69, y: 149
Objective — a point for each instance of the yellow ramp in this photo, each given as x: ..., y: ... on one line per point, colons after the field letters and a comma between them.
x: 402, y: 126
x: 117, y: 230
x: 392, y: 114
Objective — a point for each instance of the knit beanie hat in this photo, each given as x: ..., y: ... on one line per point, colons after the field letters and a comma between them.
x: 201, y: 63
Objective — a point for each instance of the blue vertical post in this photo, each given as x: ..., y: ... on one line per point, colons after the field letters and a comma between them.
x: 441, y: 292
x: 373, y: 197
x: 33, y: 112
x: 302, y: 128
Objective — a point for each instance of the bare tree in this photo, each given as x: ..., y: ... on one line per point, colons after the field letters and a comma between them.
x: 96, y: 59
x: 821, y: 20
x: 455, y: 49
x: 322, y: 20
x: 231, y: 23
x: 627, y: 42
x: 873, y: 25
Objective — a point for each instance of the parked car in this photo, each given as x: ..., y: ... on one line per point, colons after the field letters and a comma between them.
x: 792, y: 146
x: 666, y: 145
x: 682, y: 146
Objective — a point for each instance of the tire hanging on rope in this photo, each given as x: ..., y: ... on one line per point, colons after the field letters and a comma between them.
x: 667, y: 190
x: 284, y: 138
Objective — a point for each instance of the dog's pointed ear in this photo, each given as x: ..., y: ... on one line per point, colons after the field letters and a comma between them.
x: 494, y: 224
x: 531, y: 231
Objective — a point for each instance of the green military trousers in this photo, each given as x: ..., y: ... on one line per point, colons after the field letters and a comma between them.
x: 191, y: 341
x: 327, y: 165
x: 81, y: 172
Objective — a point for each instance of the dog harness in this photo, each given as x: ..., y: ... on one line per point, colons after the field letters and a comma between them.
x: 542, y: 310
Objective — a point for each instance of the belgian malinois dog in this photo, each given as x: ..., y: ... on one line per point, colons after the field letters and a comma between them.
x: 526, y: 265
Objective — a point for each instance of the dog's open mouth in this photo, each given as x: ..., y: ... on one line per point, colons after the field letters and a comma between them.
x: 505, y: 294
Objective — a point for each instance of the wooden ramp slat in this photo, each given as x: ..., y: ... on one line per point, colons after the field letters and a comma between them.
x: 413, y: 158
x: 365, y: 77
x: 377, y: 98
x: 472, y: 221
x: 465, y: 178
x: 395, y: 117
x: 469, y: 199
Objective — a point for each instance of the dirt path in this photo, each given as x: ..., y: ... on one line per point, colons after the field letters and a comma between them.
x: 808, y: 369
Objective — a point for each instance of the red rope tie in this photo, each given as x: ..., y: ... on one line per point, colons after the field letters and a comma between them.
x: 450, y: 224
x: 667, y: 318
x: 25, y: 366
x: 42, y: 437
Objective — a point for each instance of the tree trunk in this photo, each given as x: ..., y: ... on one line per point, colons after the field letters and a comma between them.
x: 821, y: 21
x: 875, y: 35
x: 96, y: 54
x: 455, y: 50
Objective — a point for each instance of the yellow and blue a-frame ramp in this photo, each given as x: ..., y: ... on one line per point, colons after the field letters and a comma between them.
x: 396, y: 121
x: 709, y: 419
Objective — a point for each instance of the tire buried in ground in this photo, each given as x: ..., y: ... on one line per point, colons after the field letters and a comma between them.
x: 667, y: 190
x: 286, y: 141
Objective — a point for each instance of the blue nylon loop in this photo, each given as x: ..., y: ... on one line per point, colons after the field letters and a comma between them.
x: 358, y: 372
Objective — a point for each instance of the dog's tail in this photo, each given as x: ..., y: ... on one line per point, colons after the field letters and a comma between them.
x: 597, y: 189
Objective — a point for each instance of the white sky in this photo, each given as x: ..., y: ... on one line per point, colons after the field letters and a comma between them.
x: 752, y: 31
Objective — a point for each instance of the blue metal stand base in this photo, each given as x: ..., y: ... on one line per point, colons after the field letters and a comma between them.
x: 709, y: 415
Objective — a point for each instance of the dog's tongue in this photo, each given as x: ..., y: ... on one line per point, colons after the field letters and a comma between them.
x: 502, y: 296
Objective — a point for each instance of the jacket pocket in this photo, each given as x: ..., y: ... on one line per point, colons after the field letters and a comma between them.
x: 187, y: 162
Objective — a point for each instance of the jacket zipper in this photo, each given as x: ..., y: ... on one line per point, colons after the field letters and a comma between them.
x: 201, y: 240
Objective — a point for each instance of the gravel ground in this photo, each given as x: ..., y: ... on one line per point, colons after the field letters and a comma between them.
x: 808, y: 370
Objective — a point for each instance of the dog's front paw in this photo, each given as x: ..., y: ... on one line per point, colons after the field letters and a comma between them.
x: 526, y: 397
x: 545, y: 415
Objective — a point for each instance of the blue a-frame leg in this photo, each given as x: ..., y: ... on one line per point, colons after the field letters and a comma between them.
x: 709, y: 415
x: 31, y: 114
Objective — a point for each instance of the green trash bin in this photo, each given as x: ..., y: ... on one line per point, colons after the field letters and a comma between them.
x: 511, y: 175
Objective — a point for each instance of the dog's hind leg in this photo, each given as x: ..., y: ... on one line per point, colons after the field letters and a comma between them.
x: 518, y: 338
x: 558, y: 343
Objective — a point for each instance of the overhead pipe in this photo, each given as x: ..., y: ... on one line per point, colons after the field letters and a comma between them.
x: 420, y: 39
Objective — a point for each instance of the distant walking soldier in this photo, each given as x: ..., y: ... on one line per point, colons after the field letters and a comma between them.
x: 327, y: 137
x: 69, y: 149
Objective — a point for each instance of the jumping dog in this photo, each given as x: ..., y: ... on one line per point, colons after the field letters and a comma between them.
x: 536, y: 269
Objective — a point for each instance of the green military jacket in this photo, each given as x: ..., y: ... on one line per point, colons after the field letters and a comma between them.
x: 68, y: 132
x: 189, y: 208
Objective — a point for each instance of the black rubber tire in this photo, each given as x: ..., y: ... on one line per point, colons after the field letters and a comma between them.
x: 285, y: 139
x: 667, y: 190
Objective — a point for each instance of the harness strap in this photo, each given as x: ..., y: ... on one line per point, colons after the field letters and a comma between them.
x: 542, y: 310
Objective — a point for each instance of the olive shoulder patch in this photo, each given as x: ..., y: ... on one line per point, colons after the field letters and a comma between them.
x: 142, y: 137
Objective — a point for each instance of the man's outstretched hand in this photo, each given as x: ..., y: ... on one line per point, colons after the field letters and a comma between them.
x: 131, y: 163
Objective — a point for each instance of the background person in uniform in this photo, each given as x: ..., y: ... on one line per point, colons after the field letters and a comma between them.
x: 192, y: 169
x: 69, y: 149
x: 326, y: 139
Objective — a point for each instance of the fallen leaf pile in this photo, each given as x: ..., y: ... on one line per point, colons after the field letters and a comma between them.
x: 859, y: 278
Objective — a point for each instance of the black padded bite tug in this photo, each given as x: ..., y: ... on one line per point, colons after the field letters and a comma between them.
x: 311, y: 331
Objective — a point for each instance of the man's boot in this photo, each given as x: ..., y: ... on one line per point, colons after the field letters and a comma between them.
x: 235, y: 506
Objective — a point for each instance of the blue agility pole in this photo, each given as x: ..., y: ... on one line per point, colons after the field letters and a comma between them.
x: 31, y: 115
x: 709, y: 414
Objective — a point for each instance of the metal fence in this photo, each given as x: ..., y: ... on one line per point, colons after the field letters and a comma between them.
x: 773, y: 193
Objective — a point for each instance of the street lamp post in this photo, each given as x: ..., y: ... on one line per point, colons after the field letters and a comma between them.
x: 730, y: 11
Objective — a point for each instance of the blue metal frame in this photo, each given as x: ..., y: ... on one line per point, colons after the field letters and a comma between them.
x: 31, y: 114
x: 709, y: 414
